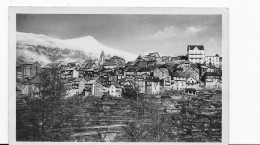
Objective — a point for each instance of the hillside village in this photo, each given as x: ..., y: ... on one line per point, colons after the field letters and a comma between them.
x: 151, y: 99
x: 148, y: 74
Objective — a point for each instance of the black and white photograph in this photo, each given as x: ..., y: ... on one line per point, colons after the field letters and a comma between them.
x: 119, y: 75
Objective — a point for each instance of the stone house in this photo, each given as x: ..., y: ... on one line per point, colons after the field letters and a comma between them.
x: 143, y: 70
x: 178, y: 81
x: 128, y: 85
x: 192, y: 83
x: 19, y: 73
x: 183, y: 66
x: 157, y: 73
x: 94, y: 88
x: 140, y: 84
x: 212, y: 80
x: 192, y: 71
x: 166, y: 83
x: 130, y: 72
x: 29, y: 70
x: 77, y: 86
x: 115, y: 90
x: 69, y: 73
x: 152, y: 86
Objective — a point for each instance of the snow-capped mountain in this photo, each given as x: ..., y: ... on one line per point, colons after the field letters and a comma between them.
x: 88, y: 45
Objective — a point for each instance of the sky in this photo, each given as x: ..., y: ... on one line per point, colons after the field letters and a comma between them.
x: 167, y: 34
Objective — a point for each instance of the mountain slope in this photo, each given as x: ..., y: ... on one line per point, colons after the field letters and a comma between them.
x: 91, y: 45
x: 42, y: 48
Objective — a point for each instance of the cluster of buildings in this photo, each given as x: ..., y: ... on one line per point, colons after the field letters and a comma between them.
x: 148, y: 74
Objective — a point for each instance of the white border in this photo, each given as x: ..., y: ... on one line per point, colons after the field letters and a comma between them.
x: 118, y: 10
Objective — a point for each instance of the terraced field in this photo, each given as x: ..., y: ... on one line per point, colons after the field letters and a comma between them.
x: 147, y: 119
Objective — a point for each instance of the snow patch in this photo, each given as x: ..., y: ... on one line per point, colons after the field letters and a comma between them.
x: 88, y: 44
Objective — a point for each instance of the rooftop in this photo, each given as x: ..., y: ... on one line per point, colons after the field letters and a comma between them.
x: 109, y: 64
x: 191, y: 47
x: 77, y: 79
x: 211, y: 74
x: 177, y: 74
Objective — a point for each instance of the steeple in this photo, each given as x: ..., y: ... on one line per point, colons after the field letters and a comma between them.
x: 102, y: 54
x: 102, y: 57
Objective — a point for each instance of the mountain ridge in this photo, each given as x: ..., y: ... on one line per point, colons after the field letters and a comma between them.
x: 86, y: 45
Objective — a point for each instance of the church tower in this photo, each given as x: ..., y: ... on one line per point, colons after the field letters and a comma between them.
x: 102, y: 57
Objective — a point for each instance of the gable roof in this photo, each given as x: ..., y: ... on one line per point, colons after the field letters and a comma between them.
x: 129, y: 63
x: 131, y: 69
x: 78, y: 79
x: 140, y: 58
x: 140, y: 64
x: 89, y: 61
x: 90, y: 82
x: 109, y: 64
x: 186, y: 61
x: 143, y: 69
x: 177, y: 74
x: 116, y: 85
x: 192, y: 66
x: 191, y: 47
x: 89, y: 65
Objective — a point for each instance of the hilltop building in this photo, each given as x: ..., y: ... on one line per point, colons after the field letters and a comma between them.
x: 196, y: 53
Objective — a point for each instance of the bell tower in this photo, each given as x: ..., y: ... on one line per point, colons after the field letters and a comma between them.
x: 102, y: 57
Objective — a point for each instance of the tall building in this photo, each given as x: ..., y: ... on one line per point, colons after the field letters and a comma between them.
x: 102, y: 57
x: 196, y: 53
x: 212, y: 60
